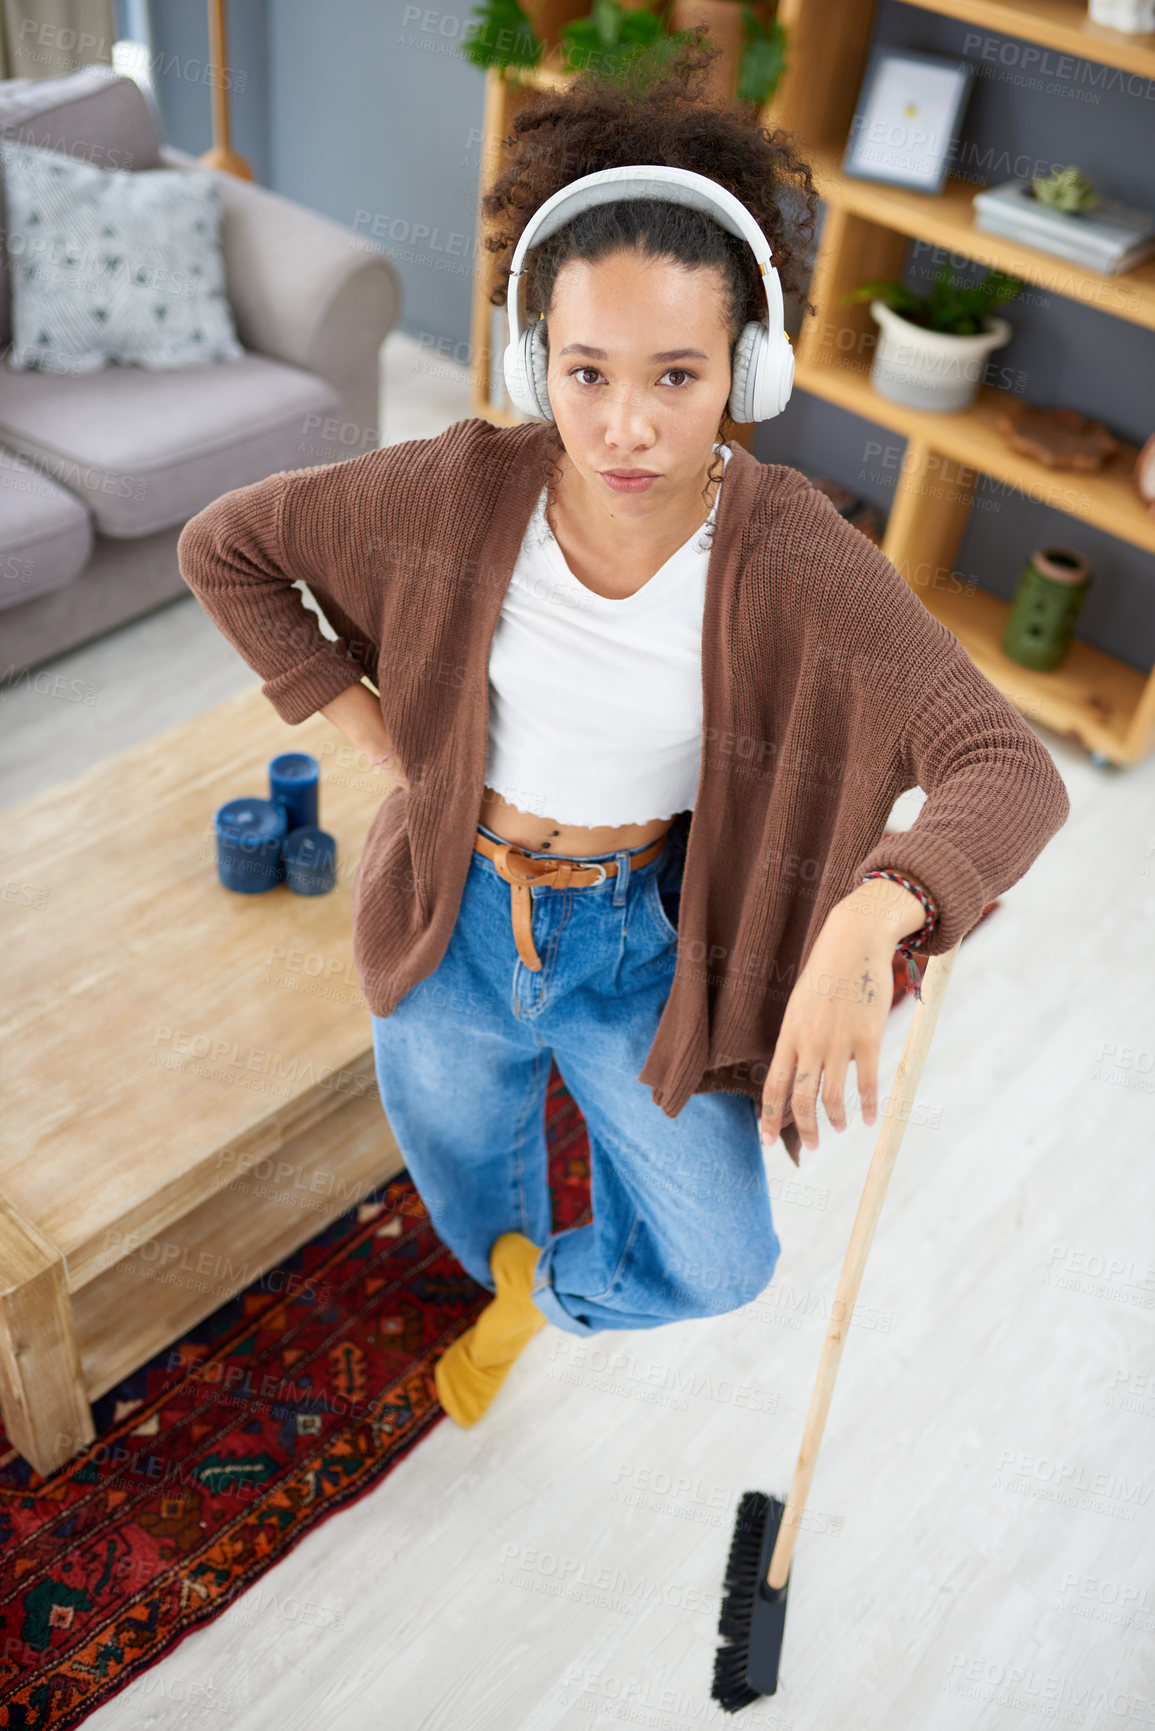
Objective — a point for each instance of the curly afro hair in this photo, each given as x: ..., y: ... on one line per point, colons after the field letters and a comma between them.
x: 559, y: 135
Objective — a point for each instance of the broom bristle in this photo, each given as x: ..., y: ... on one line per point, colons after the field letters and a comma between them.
x: 730, y: 1688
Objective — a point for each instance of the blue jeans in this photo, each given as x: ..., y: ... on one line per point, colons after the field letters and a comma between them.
x: 681, y: 1209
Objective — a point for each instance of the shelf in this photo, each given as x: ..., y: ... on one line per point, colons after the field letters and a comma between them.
x: 538, y: 77
x: 1061, y: 24
x: 1090, y: 695
x: 1105, y: 703
x: 947, y: 219
x: 1107, y: 500
x: 483, y: 408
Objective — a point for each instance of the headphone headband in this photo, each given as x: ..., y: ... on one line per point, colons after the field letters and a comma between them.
x: 648, y: 180
x: 762, y: 364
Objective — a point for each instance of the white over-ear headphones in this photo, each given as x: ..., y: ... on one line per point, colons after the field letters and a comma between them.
x: 763, y: 362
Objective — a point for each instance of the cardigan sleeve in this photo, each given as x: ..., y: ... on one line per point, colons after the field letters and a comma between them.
x: 232, y: 556
x: 995, y: 796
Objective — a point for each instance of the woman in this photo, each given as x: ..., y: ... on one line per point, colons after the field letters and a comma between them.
x: 560, y: 937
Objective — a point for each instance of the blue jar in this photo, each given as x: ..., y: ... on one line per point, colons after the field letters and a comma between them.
x: 310, y: 860
x: 294, y: 785
x: 250, y: 835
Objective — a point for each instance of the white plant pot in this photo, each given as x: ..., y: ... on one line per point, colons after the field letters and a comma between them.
x: 1135, y: 16
x: 930, y: 369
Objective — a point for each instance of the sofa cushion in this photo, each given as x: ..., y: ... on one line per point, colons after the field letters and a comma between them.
x: 95, y: 115
x: 45, y: 533
x: 145, y: 450
x: 110, y: 266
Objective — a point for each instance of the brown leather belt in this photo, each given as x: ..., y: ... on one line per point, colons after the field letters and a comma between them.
x: 521, y: 871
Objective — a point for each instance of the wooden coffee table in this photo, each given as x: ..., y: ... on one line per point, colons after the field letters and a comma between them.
x: 189, y: 1088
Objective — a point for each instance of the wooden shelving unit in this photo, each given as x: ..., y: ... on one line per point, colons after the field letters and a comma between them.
x: 948, y: 221
x: 1093, y: 697
x: 1059, y: 24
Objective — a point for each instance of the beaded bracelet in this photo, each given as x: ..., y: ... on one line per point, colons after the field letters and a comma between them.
x: 919, y: 939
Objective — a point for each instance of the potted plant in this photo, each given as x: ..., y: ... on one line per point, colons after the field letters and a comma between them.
x: 1136, y: 16
x: 752, y: 41
x: 620, y: 40
x: 636, y: 39
x: 763, y: 58
x: 932, y: 349
x: 501, y: 35
x: 1066, y: 189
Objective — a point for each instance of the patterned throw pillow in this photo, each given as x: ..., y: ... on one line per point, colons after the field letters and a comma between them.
x: 107, y: 265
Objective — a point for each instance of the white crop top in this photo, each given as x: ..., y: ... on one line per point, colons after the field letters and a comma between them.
x: 595, y: 706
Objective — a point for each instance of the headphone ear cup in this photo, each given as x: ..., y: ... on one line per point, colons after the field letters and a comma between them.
x: 774, y: 385
x: 744, y: 371
x: 513, y: 373
x: 524, y: 365
x: 787, y: 370
x: 538, y: 366
x: 762, y: 374
x: 517, y: 381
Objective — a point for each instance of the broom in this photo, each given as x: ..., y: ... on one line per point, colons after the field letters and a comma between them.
x: 753, y: 1615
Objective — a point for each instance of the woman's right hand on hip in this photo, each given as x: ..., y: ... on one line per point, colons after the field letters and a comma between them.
x: 356, y: 713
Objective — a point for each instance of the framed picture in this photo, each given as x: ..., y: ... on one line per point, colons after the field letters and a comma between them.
x: 907, y: 119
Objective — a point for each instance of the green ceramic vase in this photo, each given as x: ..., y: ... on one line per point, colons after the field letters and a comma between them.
x: 1051, y: 590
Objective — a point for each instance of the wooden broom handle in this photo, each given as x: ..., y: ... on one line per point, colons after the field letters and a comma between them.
x: 906, y: 1080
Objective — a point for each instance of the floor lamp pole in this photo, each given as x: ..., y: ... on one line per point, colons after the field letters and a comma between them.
x: 222, y: 155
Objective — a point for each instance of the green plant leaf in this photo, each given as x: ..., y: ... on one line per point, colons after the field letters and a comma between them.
x: 641, y: 27
x: 580, y: 34
x: 607, y: 20
x: 1067, y: 189
x: 949, y: 308
x: 503, y: 37
x: 895, y: 295
x: 637, y: 49
x: 763, y: 58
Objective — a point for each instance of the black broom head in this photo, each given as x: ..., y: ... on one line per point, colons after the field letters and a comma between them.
x: 753, y: 1616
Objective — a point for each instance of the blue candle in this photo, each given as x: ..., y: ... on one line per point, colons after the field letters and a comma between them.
x: 310, y: 858
x: 294, y: 781
x: 250, y: 834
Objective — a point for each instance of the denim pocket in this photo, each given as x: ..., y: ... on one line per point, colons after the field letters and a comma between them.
x: 664, y: 889
x: 657, y: 908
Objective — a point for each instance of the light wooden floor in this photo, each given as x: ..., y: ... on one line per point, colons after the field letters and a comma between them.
x: 979, y: 1554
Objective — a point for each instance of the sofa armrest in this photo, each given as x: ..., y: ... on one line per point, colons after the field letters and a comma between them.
x: 302, y: 288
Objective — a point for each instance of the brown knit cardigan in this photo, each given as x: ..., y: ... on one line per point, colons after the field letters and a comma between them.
x: 828, y: 689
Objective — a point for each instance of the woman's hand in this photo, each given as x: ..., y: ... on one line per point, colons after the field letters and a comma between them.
x: 357, y: 714
x: 838, y: 1009
x: 391, y: 769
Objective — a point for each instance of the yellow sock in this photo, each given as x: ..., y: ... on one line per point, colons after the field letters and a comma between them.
x: 470, y: 1373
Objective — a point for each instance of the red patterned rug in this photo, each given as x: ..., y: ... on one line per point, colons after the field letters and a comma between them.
x: 215, y: 1458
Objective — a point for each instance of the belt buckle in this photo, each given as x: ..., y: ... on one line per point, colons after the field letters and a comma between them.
x: 597, y: 881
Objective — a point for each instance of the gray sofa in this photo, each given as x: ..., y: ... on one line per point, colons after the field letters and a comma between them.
x: 100, y: 472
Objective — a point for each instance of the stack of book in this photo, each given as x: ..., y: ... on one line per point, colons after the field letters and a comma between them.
x: 1112, y: 238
